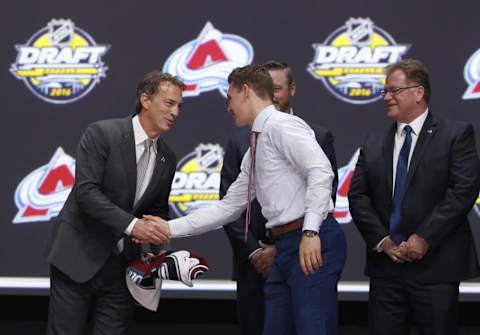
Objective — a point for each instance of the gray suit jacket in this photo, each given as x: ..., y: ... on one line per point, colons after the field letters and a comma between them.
x: 100, y: 205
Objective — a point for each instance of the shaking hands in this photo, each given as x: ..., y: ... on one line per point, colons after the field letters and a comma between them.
x: 151, y: 229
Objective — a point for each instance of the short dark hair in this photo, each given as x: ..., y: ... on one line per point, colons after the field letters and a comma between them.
x: 277, y: 65
x: 149, y: 85
x: 415, y: 71
x: 256, y: 77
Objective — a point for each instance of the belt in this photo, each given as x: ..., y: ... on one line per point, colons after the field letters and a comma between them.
x: 278, y: 231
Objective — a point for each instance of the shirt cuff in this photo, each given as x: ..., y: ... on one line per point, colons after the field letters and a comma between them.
x: 179, y: 227
x: 313, y: 221
x: 378, y: 247
x: 254, y: 252
x: 128, y: 230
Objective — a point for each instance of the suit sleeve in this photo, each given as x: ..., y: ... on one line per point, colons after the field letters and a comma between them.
x: 364, y: 215
x: 236, y: 229
x: 92, y: 154
x: 463, y: 187
x: 326, y: 142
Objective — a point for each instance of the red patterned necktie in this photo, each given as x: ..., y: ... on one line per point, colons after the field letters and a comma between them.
x: 253, y: 148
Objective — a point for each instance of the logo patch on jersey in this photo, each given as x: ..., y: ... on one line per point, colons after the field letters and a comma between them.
x: 60, y: 63
x: 41, y: 194
x: 205, y: 63
x: 352, y: 60
x: 197, y: 180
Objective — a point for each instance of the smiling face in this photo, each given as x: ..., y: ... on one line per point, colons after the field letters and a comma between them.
x: 160, y: 111
x: 282, y: 90
x: 403, y: 105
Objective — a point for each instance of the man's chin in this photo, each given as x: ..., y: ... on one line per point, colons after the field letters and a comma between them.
x: 280, y: 108
x: 240, y: 124
x: 392, y: 113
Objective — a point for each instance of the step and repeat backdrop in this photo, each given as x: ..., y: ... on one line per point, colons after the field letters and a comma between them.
x: 68, y: 63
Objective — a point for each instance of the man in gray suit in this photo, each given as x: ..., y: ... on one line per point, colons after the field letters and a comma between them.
x: 124, y: 171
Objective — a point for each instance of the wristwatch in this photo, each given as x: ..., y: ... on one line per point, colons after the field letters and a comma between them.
x: 310, y: 233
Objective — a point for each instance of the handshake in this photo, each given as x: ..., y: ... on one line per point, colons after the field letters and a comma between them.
x: 151, y: 229
x: 413, y: 249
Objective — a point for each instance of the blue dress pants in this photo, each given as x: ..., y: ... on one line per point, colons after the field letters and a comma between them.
x: 301, y: 304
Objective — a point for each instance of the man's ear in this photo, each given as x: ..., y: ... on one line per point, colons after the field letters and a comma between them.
x: 245, y: 90
x: 293, y: 88
x: 419, y: 94
x: 145, y: 100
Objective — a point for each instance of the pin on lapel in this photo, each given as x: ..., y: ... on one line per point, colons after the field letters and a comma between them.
x: 429, y: 131
x: 163, y: 159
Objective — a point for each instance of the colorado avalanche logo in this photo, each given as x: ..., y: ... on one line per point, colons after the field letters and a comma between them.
x: 472, y: 76
x: 205, y: 63
x: 345, y: 174
x: 41, y: 195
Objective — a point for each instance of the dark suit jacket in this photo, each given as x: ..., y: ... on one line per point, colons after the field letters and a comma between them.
x: 236, y: 148
x: 100, y: 205
x: 442, y: 184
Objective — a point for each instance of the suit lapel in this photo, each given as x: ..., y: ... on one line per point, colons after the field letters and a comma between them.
x: 127, y: 148
x: 426, y: 135
x: 388, y: 142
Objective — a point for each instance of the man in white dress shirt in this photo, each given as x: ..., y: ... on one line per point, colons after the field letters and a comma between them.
x: 292, y: 181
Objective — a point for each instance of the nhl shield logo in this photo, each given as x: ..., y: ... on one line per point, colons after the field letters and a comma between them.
x: 359, y: 31
x: 60, y: 32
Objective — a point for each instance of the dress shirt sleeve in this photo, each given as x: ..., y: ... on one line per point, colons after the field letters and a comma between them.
x: 128, y: 230
x: 295, y: 140
x: 220, y: 213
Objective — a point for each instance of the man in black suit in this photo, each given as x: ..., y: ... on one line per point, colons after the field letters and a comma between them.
x: 253, y: 259
x: 412, y: 189
x: 124, y: 171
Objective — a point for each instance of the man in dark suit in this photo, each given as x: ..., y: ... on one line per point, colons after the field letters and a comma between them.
x: 124, y: 171
x: 412, y: 189
x: 253, y: 259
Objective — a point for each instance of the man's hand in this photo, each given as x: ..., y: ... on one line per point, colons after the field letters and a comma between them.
x: 310, y: 254
x: 396, y: 253
x: 151, y: 229
x: 263, y: 260
x: 415, y: 247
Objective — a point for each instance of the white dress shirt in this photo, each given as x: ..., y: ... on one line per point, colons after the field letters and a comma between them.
x: 416, y: 126
x: 293, y: 179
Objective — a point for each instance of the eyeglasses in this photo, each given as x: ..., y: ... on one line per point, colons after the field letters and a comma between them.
x: 395, y: 90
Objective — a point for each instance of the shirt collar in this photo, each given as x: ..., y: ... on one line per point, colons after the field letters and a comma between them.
x: 140, y: 135
x: 416, y: 124
x: 262, y: 117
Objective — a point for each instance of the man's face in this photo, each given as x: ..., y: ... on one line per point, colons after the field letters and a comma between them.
x: 400, y: 104
x: 237, y: 106
x: 282, y: 91
x: 163, y: 108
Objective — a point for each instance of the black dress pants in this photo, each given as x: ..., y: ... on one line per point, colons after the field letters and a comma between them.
x: 397, y: 304
x: 102, y: 305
